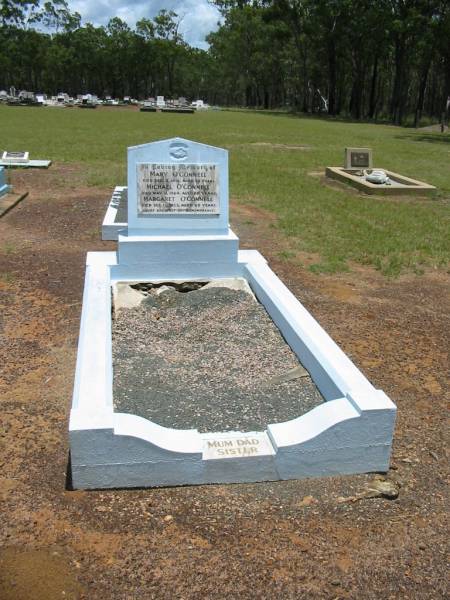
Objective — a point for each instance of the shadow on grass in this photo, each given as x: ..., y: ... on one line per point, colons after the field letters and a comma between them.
x: 312, y: 116
x: 436, y: 138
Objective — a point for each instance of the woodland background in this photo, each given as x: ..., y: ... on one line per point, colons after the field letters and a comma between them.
x: 364, y: 59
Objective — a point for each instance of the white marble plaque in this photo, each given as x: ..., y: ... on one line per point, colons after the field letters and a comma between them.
x: 177, y: 189
x: 15, y: 157
x: 236, y: 445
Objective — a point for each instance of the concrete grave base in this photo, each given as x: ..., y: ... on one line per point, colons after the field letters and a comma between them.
x: 349, y: 433
x: 400, y: 184
x: 36, y: 164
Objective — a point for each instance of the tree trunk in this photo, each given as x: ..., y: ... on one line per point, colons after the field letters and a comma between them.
x: 422, y: 87
x: 398, y: 93
x: 373, y: 89
x: 332, y: 78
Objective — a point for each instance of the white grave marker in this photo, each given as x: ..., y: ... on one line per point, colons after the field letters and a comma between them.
x: 15, y: 158
x: 177, y: 185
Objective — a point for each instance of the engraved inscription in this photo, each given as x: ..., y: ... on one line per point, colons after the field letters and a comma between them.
x: 177, y: 189
x: 236, y: 446
x: 360, y: 159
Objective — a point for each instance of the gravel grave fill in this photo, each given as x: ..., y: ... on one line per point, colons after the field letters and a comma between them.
x: 205, y: 360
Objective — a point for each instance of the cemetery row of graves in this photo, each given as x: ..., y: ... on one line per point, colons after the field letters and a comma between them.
x: 25, y: 98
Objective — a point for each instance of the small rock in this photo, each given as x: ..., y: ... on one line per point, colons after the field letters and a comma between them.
x: 384, y: 488
x: 168, y: 518
x: 307, y: 501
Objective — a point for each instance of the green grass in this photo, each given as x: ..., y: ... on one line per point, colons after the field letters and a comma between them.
x: 339, y: 225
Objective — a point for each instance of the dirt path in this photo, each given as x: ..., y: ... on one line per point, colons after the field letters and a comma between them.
x: 297, y: 539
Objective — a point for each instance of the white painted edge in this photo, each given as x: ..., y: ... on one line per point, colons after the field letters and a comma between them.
x: 310, y: 425
x: 133, y: 237
x: 92, y: 399
x: 294, y: 321
x: 110, y: 229
x: 31, y: 163
x: 183, y: 441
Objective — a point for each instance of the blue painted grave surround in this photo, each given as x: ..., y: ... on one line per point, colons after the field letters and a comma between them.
x: 4, y: 187
x: 351, y: 432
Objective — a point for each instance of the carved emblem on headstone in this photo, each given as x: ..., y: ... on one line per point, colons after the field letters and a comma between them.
x: 178, y: 150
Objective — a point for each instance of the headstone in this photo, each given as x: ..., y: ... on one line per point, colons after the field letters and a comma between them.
x: 15, y: 158
x: 358, y: 158
x: 160, y: 101
x: 177, y: 185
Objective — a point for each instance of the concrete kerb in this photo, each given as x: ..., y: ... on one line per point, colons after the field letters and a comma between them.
x: 350, y: 433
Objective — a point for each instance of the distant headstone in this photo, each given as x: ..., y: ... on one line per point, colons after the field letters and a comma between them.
x: 15, y: 158
x: 358, y: 158
x: 4, y: 187
x: 178, y: 185
x: 160, y: 101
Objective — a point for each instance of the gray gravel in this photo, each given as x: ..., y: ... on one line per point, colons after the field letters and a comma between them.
x: 204, y: 360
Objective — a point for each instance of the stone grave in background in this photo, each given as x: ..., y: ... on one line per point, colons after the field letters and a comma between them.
x: 358, y: 158
x: 22, y: 159
x: 177, y: 237
x: 359, y: 172
x: 8, y: 198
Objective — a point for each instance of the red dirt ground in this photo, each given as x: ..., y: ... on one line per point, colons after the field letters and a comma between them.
x: 284, y: 540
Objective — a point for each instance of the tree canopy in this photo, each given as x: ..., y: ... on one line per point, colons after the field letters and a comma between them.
x: 370, y: 59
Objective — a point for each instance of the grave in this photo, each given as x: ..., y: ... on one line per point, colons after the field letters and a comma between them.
x: 115, y: 220
x: 22, y: 159
x: 88, y: 101
x: 4, y: 187
x: 8, y: 199
x: 160, y: 419
x: 358, y: 172
x: 148, y: 106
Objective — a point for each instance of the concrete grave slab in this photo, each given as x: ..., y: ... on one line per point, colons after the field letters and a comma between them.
x: 350, y: 432
x: 398, y: 184
x: 21, y: 159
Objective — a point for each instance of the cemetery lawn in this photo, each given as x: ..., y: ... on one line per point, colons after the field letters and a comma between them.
x: 316, y: 538
x: 277, y: 164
